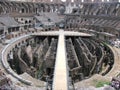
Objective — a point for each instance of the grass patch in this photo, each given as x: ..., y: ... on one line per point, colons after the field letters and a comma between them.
x: 102, y: 83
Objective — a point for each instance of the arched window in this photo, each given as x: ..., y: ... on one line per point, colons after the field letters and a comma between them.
x: 22, y: 10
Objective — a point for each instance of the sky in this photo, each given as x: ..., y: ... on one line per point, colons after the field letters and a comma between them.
x: 63, y: 0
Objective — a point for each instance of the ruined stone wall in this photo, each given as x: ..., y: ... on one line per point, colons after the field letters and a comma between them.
x: 87, y: 57
x: 27, y: 8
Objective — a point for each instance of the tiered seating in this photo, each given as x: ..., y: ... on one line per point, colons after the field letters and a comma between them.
x: 8, y: 21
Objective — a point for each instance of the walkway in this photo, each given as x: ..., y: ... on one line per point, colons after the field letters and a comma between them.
x: 116, y: 67
x: 66, y: 33
x: 60, y: 81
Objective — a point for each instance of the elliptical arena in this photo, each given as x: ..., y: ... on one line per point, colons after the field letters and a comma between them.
x: 55, y: 45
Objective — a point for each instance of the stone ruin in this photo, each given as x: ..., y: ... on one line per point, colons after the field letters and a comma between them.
x: 85, y: 57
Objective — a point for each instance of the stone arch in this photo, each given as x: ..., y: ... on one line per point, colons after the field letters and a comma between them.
x: 47, y: 8
x: 7, y: 6
x: 1, y: 9
x: 22, y: 9
x: 18, y: 7
x: 39, y: 7
x: 19, y: 43
x: 53, y: 7
x: 34, y: 7
x: 22, y: 42
x: 16, y: 46
x: 42, y: 7
x: 29, y: 7
x: 4, y: 8
x: 12, y: 7
x: 25, y: 7
x: 56, y: 7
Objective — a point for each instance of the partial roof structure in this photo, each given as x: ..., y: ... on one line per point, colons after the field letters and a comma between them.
x: 8, y: 21
x: 49, y: 18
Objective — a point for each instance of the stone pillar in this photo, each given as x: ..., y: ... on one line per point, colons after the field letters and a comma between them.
x: 5, y: 30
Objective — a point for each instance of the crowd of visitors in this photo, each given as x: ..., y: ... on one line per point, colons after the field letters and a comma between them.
x: 115, y: 43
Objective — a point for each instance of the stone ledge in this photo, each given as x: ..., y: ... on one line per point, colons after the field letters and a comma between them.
x: 5, y: 63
